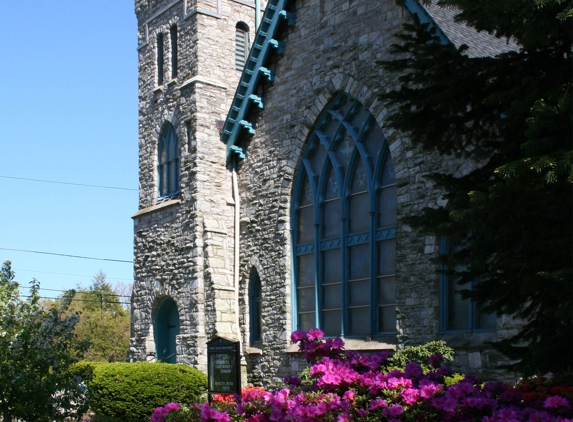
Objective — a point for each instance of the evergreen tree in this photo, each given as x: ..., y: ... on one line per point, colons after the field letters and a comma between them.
x: 511, y: 218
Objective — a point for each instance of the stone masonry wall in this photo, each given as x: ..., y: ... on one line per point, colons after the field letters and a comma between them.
x: 336, y: 46
x: 184, y: 245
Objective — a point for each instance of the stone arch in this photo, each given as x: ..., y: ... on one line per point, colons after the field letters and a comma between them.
x: 332, y: 86
x: 248, y: 20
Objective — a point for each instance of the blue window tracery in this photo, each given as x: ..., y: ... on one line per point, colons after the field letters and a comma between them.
x: 344, y: 224
x: 168, y: 159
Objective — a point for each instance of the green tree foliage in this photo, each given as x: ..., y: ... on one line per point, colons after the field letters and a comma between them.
x: 511, y: 218
x: 129, y: 392
x: 104, y: 322
x: 37, y: 347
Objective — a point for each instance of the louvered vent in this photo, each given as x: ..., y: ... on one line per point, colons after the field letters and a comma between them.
x: 241, y: 45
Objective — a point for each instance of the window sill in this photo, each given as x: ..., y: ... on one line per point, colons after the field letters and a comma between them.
x: 254, y: 350
x: 157, y: 207
x: 469, y: 339
x: 357, y: 345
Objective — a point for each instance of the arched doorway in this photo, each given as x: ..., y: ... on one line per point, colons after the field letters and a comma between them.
x: 166, y: 330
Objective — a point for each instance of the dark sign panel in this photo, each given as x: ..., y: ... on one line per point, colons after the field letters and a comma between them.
x: 223, y: 361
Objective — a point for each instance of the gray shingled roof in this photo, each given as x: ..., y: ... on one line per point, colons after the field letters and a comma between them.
x: 481, y: 44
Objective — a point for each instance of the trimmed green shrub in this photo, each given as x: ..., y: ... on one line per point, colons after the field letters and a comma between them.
x: 129, y: 392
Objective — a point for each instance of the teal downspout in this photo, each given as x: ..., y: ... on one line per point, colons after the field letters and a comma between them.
x: 257, y: 14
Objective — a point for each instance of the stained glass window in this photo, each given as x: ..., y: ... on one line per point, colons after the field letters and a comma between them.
x: 345, y: 226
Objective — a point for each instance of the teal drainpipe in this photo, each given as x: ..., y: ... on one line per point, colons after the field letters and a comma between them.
x: 257, y: 14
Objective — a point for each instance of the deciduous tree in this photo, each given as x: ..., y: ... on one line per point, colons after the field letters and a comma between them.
x: 104, y: 322
x: 37, y: 348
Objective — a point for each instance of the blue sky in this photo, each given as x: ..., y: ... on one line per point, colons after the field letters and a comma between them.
x: 68, y: 113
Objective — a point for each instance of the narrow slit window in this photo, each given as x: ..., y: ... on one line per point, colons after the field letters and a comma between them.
x: 160, y: 59
x: 173, y: 33
x: 255, y: 307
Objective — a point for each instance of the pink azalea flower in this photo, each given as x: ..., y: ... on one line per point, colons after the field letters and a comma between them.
x: 555, y: 402
x: 428, y: 389
x: 349, y: 395
x: 410, y: 395
x: 394, y: 410
x: 378, y: 404
x: 298, y: 335
x: 314, y: 334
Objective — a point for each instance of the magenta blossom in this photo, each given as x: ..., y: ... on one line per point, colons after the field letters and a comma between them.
x: 314, y: 334
x: 555, y: 402
x: 298, y: 335
x: 209, y: 414
x: 345, y: 386
x: 394, y: 410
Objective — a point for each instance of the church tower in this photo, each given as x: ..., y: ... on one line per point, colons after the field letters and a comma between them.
x: 191, y: 54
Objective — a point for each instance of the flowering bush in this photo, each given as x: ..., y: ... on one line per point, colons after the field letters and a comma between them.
x: 349, y: 386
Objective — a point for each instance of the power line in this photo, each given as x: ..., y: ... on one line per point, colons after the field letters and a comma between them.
x: 75, y: 275
x: 77, y: 291
x: 67, y: 183
x: 86, y: 301
x: 67, y: 256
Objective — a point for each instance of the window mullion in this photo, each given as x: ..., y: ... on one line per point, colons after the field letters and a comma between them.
x: 373, y: 280
x: 473, y: 311
x: 317, y: 271
x: 344, y: 275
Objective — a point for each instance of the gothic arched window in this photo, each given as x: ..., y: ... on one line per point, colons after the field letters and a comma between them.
x: 344, y: 224
x: 241, y: 45
x: 168, y: 168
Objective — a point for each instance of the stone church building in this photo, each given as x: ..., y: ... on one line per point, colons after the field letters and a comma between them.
x: 272, y: 196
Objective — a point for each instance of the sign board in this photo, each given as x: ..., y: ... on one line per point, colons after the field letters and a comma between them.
x: 223, y: 366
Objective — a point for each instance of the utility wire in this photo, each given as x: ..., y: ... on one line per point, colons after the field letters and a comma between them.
x: 75, y: 275
x: 67, y: 183
x: 87, y: 301
x: 78, y: 291
x: 67, y: 256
